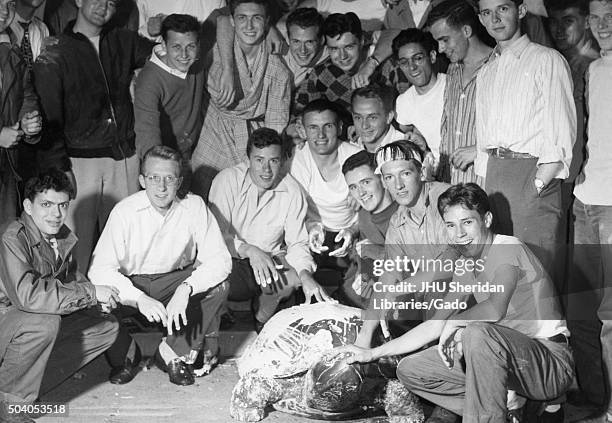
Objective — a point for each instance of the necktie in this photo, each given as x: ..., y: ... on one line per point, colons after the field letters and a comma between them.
x: 26, y: 47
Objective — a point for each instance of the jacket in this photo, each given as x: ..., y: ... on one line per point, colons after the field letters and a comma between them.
x: 32, y: 280
x: 85, y: 97
x: 17, y: 97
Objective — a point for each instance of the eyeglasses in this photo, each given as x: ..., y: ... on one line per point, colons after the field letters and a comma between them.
x: 595, y: 20
x: 169, y: 180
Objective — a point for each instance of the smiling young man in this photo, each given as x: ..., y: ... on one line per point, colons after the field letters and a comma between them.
x: 513, y: 338
x: 167, y: 108
x: 48, y: 326
x: 422, y: 104
x: 262, y: 214
x: 455, y: 26
x: 590, y: 299
x: 167, y: 258
x: 263, y: 95
x: 528, y: 133
x: 331, y: 79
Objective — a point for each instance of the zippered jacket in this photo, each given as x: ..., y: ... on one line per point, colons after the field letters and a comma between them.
x: 85, y: 97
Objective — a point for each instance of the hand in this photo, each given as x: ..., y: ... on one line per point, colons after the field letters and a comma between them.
x: 277, y: 42
x: 48, y: 41
x: 416, y: 137
x: 154, y: 24
x: 362, y: 77
x: 226, y: 92
x: 176, y: 308
x: 152, y: 309
x: 31, y: 123
x: 316, y: 238
x: 312, y: 288
x: 450, y: 346
x: 346, y: 235
x: 351, y: 134
x: 72, y: 180
x: 10, y: 136
x: 358, y: 354
x: 107, y: 295
x: 262, y: 265
x: 463, y: 157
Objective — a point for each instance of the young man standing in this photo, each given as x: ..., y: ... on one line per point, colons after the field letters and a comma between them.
x: 422, y: 104
x: 47, y: 324
x: 513, y: 338
x: 83, y: 81
x: 29, y: 30
x: 166, y: 257
x: 262, y: 214
x: 263, y: 95
x: 168, y: 96
x: 590, y: 299
x: 455, y: 26
x: 20, y: 121
x: 526, y: 122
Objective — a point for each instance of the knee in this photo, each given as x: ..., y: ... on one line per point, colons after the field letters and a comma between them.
x: 476, y: 335
x: 45, y: 326
x: 408, y: 372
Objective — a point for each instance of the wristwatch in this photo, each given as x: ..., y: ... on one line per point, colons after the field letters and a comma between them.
x: 539, y: 184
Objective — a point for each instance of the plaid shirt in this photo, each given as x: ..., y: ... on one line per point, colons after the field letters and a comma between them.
x: 326, y: 80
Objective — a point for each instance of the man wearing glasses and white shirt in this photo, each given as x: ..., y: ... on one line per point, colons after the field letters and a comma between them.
x: 167, y: 257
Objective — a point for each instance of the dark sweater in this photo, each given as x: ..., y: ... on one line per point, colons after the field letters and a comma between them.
x: 374, y: 226
x: 167, y: 108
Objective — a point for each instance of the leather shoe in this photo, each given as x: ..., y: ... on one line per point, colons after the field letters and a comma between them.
x: 124, y: 374
x: 178, y: 371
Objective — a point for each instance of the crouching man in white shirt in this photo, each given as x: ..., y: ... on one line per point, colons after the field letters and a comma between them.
x: 167, y: 257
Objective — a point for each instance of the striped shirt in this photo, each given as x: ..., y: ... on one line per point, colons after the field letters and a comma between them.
x: 458, y: 124
x: 524, y: 103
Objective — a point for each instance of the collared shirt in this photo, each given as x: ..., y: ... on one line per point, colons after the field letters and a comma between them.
x: 138, y: 240
x: 156, y: 57
x: 272, y: 222
x: 593, y: 184
x: 524, y: 103
x: 417, y: 232
x: 419, y: 9
x: 38, y: 31
x: 371, y: 13
x: 458, y: 124
x: 328, y: 200
x: 391, y: 135
x: 326, y: 80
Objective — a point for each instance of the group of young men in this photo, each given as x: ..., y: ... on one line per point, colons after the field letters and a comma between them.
x: 290, y: 157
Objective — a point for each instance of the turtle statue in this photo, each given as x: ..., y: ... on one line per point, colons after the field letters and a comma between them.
x: 292, y: 367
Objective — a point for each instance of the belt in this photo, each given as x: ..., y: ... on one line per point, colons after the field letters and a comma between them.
x: 559, y: 339
x: 504, y: 153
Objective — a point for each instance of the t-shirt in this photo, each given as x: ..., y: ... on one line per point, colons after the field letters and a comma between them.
x: 327, y: 200
x: 534, y: 308
x: 425, y: 112
x: 373, y: 227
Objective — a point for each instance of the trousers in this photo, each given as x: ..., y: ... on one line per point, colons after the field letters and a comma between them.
x: 495, y: 359
x: 40, y: 351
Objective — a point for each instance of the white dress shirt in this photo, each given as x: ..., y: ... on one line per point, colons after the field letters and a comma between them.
x: 37, y: 29
x: 138, y: 240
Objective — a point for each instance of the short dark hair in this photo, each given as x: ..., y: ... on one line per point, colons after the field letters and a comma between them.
x: 516, y: 2
x: 321, y: 105
x: 305, y: 17
x: 558, y: 5
x: 414, y: 35
x: 337, y: 24
x: 383, y: 93
x: 263, y: 137
x: 469, y: 195
x: 456, y: 13
x: 164, y: 153
x: 179, y: 23
x: 53, y: 179
x: 362, y: 158
x: 233, y: 4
